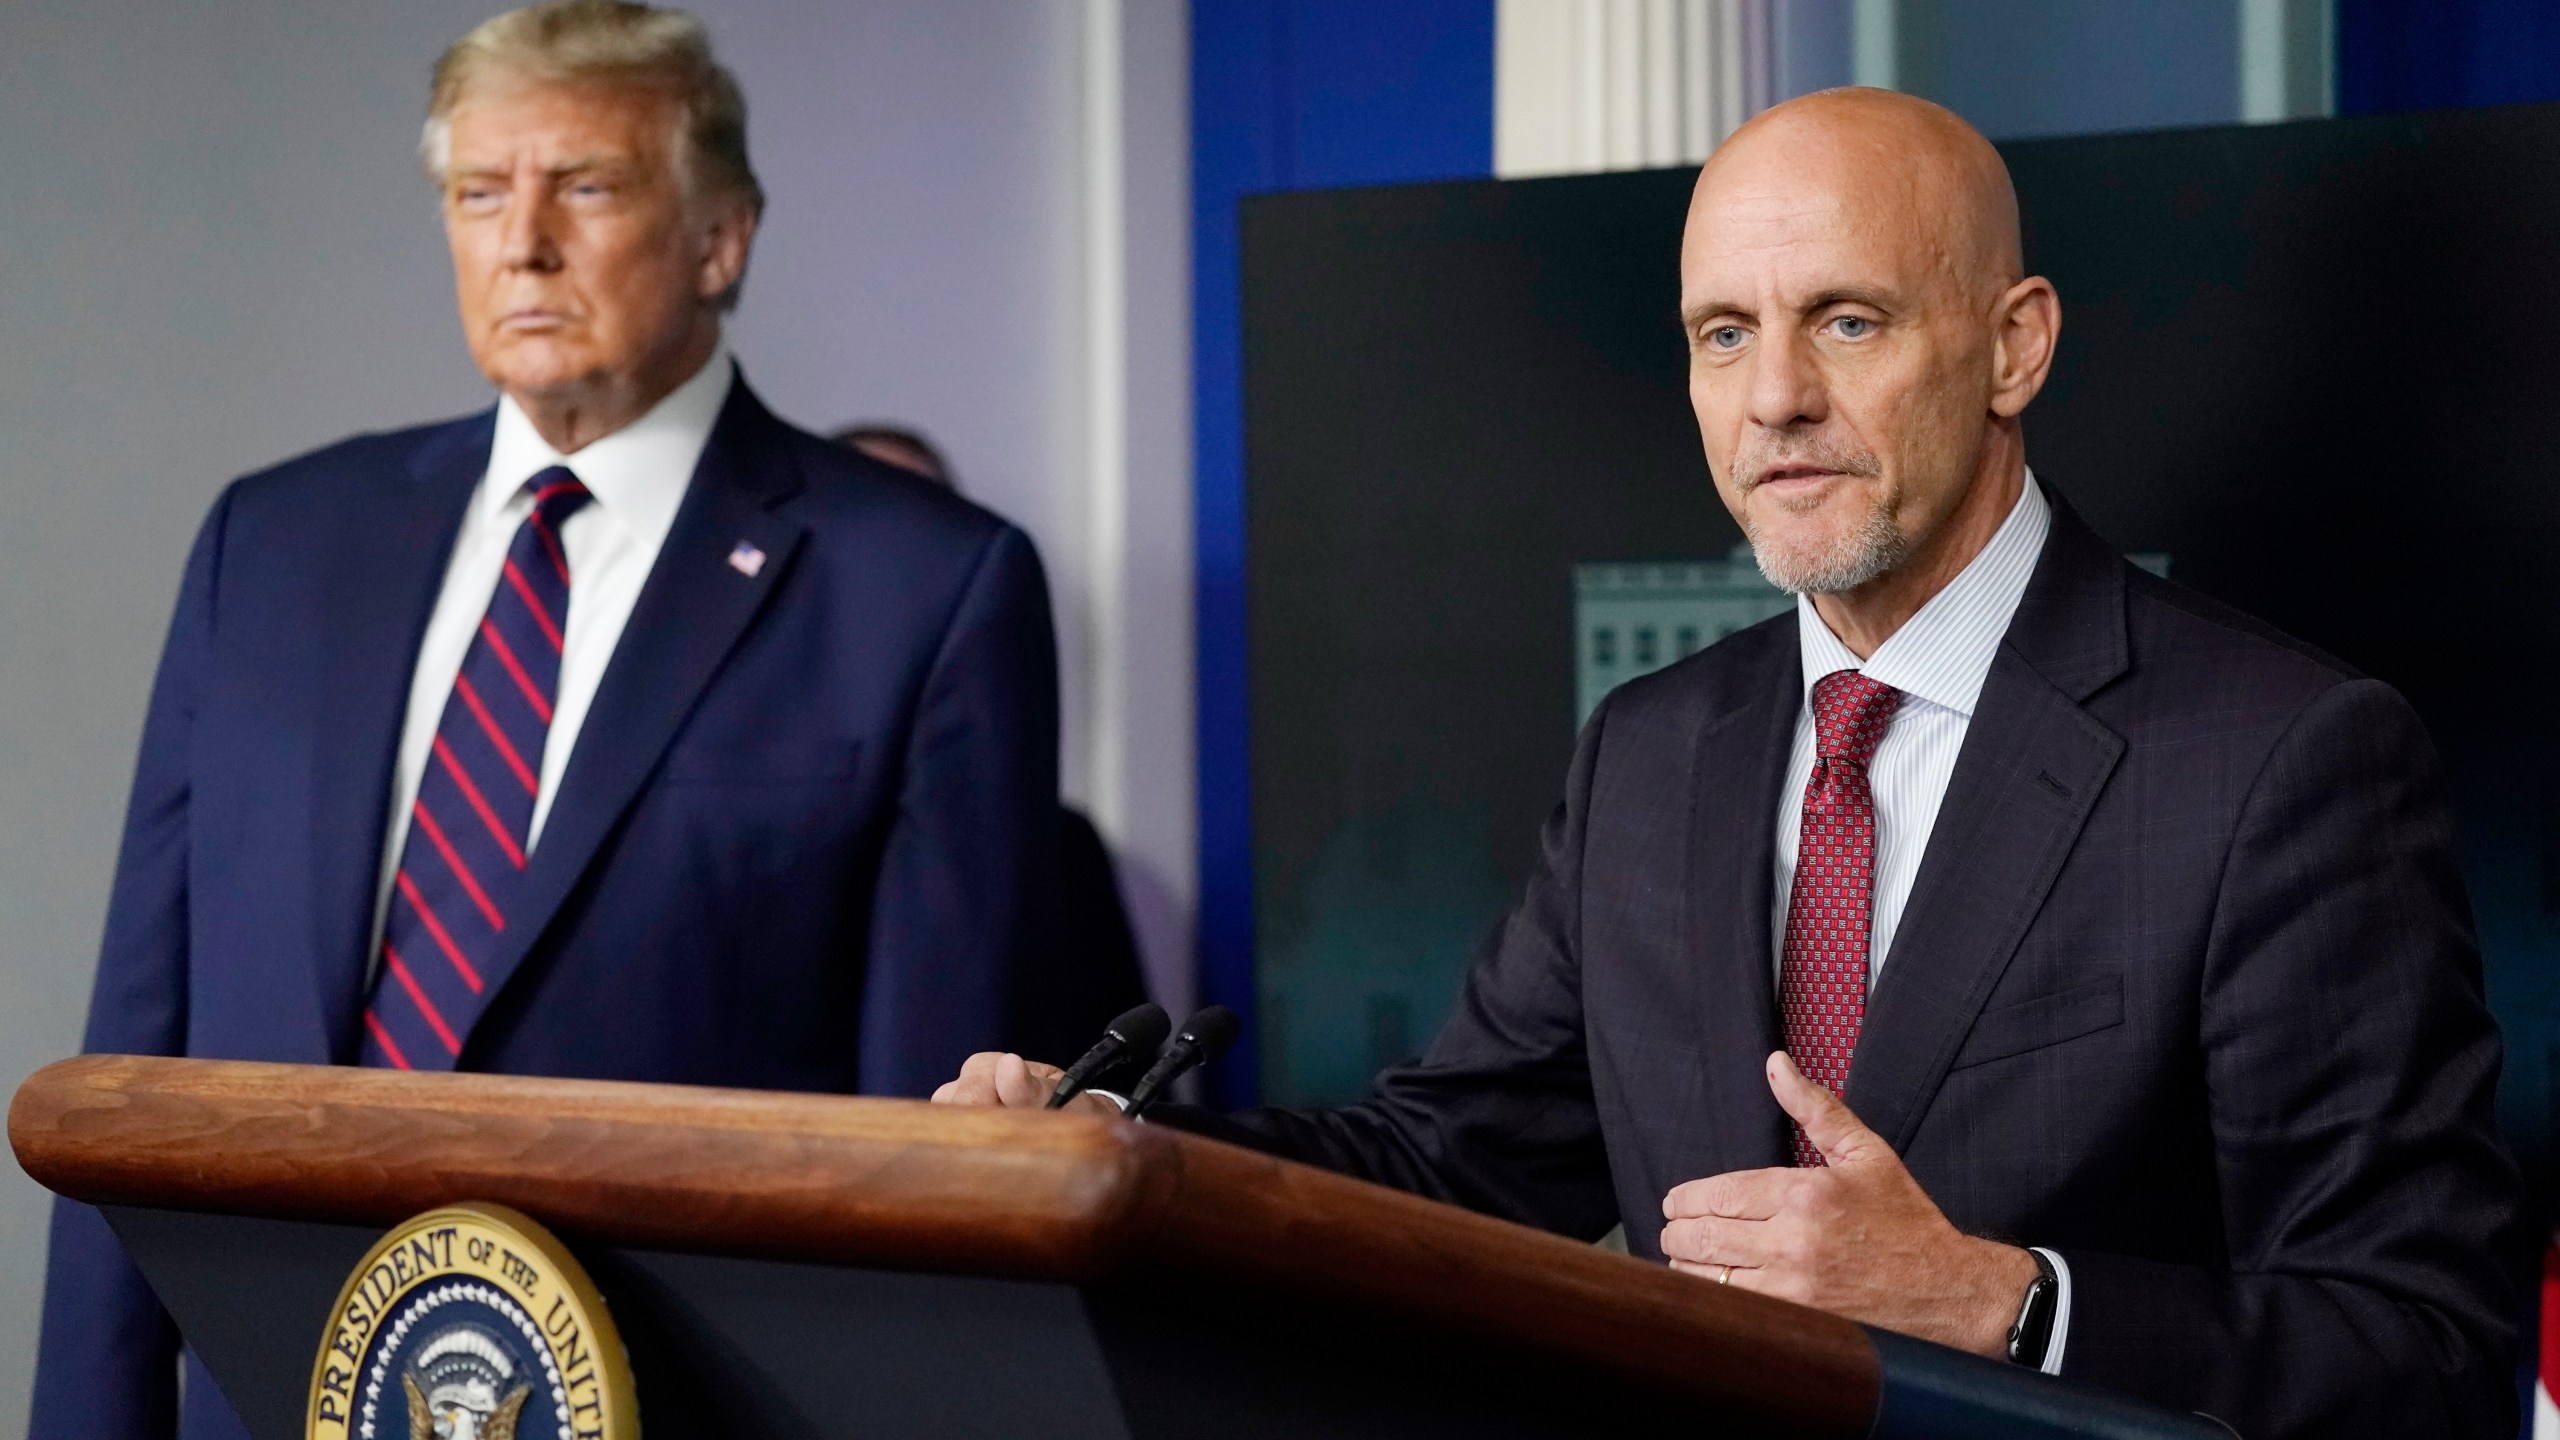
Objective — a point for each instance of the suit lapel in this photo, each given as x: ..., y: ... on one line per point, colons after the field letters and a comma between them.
x: 1742, y: 759
x: 690, y: 615
x: 2031, y: 769
x: 381, y: 587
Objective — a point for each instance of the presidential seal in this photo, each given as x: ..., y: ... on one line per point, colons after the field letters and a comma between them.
x: 471, y: 1323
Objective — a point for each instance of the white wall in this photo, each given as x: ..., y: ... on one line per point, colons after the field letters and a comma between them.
x: 215, y: 250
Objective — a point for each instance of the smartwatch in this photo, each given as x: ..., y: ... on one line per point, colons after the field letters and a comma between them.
x: 2032, y: 1334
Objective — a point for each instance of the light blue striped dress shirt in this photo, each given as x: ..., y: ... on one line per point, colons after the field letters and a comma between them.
x: 1938, y: 660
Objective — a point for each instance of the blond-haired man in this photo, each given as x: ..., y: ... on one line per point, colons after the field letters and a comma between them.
x: 621, y: 730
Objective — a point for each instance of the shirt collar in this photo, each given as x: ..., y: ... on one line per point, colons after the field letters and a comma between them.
x: 1943, y: 654
x: 637, y: 474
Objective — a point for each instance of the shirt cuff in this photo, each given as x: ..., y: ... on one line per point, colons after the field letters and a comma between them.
x: 2061, y: 1336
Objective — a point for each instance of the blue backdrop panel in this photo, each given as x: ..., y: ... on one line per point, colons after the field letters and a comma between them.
x: 2398, y: 55
x: 1288, y: 94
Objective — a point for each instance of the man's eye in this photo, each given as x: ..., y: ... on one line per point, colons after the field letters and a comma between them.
x: 1725, y: 337
x: 1852, y: 327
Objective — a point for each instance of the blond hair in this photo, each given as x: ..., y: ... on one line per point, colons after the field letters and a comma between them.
x: 618, y: 42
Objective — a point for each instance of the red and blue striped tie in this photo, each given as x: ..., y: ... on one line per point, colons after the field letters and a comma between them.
x: 468, y: 827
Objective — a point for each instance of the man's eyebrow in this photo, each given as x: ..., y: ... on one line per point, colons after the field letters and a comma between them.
x: 1849, y: 295
x: 570, y: 166
x: 1691, y: 316
x: 577, y: 163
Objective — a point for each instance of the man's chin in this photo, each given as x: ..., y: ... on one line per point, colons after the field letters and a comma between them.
x: 1796, y: 549
x: 542, y: 371
x: 1835, y: 564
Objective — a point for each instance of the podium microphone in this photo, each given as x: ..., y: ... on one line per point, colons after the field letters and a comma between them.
x: 1133, y: 1034
x: 1204, y: 1038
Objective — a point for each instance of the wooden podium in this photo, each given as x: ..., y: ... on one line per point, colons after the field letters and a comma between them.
x: 812, y: 1266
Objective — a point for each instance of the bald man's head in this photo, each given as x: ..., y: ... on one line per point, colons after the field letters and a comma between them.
x: 1862, y: 340
x: 1907, y: 157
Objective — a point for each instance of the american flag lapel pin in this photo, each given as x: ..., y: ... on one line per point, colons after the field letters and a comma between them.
x: 747, y: 560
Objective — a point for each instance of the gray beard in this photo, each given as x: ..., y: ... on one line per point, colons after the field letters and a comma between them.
x: 1875, y: 548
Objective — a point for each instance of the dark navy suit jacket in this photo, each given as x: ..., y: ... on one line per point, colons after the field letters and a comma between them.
x: 2186, y: 990
x: 804, y: 842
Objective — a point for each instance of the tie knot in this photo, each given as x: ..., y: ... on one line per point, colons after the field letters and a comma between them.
x: 557, y: 493
x: 1850, y: 713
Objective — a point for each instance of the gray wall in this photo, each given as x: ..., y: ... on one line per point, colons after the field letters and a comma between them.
x: 216, y: 250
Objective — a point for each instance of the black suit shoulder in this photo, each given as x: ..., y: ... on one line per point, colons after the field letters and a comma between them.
x: 2171, y: 626
x: 2223, y: 694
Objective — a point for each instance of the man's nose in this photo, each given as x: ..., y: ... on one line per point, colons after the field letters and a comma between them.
x: 1786, y: 385
x: 526, y: 241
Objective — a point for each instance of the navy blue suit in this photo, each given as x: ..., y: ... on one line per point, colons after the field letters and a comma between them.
x: 805, y: 840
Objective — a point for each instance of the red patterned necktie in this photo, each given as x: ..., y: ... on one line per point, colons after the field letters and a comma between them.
x: 469, y: 827
x: 1822, y: 977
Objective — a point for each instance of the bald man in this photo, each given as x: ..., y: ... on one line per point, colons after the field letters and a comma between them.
x: 2006, y: 948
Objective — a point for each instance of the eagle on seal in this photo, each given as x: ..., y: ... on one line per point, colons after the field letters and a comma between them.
x: 460, y: 1421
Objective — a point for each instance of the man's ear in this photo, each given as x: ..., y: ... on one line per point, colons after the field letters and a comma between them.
x: 2026, y: 326
x: 731, y: 235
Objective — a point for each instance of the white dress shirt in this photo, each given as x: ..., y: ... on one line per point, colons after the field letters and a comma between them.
x: 1938, y: 660
x: 638, y: 476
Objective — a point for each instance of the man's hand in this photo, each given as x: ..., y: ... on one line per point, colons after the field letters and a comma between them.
x: 992, y: 1078
x: 1858, y: 1238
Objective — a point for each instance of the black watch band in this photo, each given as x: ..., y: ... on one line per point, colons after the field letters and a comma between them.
x: 2032, y: 1335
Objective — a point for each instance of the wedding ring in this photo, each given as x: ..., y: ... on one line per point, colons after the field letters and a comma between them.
x: 1724, y: 1274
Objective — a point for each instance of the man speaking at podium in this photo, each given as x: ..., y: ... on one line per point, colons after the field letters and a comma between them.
x: 622, y: 731
x: 2007, y: 948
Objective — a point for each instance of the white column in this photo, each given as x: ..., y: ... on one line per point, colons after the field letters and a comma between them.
x: 1591, y: 85
x: 1665, y: 137
x: 1106, y: 417
x: 1136, y: 772
x: 1874, y: 44
x: 1588, y: 74
x: 2288, y: 61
